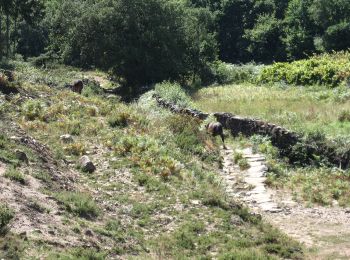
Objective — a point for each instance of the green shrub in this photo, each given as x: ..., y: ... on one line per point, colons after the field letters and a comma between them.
x: 230, y: 73
x: 243, y: 164
x: 326, y: 69
x: 33, y: 109
x: 92, y: 88
x: 81, y: 204
x: 237, y: 157
x: 6, y: 214
x: 344, y: 116
x: 14, y: 175
x: 174, y: 93
x: 119, y: 120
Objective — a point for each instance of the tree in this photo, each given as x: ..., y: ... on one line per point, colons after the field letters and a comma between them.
x: 265, y: 39
x: 299, y: 30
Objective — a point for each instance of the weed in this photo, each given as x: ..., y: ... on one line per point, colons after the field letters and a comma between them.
x: 33, y: 204
x: 15, y: 175
x: 33, y: 109
x: 241, y: 161
x: 76, y: 149
x: 119, y: 120
x: 243, y: 164
x: 173, y: 93
x: 43, y: 176
x: 81, y: 204
x: 237, y: 157
x: 344, y: 116
x: 6, y: 214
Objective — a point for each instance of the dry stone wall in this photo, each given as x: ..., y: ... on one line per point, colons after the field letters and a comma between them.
x: 289, y: 143
x: 280, y: 137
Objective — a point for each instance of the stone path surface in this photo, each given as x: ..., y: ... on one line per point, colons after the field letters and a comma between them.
x: 325, y: 231
x: 249, y: 185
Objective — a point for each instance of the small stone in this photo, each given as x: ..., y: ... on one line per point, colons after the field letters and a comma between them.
x: 195, y: 202
x: 67, y: 139
x: 86, y: 164
x: 20, y: 155
x: 236, y: 220
x: 89, y: 233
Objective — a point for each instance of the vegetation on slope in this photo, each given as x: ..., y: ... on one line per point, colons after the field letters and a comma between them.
x: 155, y: 193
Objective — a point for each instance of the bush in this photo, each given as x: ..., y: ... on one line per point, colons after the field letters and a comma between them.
x: 6, y: 214
x: 79, y: 203
x: 92, y: 88
x: 119, y: 120
x: 326, y: 69
x: 7, y: 87
x: 32, y: 110
x: 230, y: 73
x: 174, y: 93
x: 344, y: 116
x: 76, y: 149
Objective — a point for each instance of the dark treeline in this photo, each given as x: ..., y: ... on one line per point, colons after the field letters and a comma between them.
x: 147, y: 41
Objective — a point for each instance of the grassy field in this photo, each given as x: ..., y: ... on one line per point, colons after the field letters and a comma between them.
x: 301, y: 109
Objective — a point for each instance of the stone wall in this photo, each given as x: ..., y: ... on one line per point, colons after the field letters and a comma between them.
x: 179, y: 110
x: 290, y: 144
x: 280, y: 137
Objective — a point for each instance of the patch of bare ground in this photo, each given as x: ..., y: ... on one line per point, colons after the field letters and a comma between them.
x: 38, y: 216
x: 325, y: 231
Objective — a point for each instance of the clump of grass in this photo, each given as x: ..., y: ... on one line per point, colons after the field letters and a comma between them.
x: 241, y: 161
x: 33, y: 204
x: 243, y: 164
x: 43, y: 176
x: 7, y: 152
x: 79, y: 253
x: 119, y: 120
x: 174, y: 93
x: 80, y: 204
x: 13, y: 174
x: 76, y: 149
x: 33, y: 109
x: 6, y: 214
x: 344, y: 116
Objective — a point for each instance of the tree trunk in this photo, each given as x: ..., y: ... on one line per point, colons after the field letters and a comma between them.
x: 1, y: 46
x: 15, y: 36
x: 7, y: 35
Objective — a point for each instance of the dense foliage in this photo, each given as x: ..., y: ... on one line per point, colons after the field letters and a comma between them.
x: 146, y: 42
x: 327, y: 69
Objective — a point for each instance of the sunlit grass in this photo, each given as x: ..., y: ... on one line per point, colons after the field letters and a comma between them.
x: 297, y: 108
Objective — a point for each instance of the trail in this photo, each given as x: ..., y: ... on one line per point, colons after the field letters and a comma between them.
x: 325, y: 231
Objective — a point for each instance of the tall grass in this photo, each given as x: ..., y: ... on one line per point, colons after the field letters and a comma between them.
x: 300, y: 109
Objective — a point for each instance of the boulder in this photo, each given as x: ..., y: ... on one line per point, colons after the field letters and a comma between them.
x: 67, y: 139
x: 86, y: 164
x: 22, y: 156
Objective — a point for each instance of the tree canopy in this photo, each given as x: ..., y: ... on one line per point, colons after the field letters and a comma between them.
x: 143, y: 42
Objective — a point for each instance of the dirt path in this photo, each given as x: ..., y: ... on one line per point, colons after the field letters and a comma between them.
x: 325, y: 231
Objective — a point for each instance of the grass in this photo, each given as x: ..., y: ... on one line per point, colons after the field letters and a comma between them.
x: 6, y: 215
x: 80, y: 204
x: 297, y: 108
x: 15, y: 175
x: 159, y: 192
x: 313, y: 184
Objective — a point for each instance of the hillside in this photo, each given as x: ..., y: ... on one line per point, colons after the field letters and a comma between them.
x: 156, y: 191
